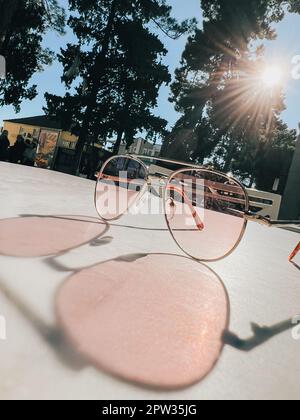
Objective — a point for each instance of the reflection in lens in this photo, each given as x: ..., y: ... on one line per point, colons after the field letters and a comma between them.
x: 205, y: 213
x: 120, y: 183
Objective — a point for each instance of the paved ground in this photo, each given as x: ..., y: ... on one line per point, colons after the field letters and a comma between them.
x: 84, y: 320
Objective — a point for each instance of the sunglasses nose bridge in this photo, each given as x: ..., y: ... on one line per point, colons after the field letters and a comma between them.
x: 141, y: 195
x: 156, y: 181
x: 149, y: 180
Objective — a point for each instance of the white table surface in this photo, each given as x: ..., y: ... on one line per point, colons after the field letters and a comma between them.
x: 263, y: 288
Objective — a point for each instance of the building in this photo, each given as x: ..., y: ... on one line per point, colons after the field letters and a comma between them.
x: 31, y: 128
x: 56, y: 147
x: 290, y: 209
x: 141, y: 146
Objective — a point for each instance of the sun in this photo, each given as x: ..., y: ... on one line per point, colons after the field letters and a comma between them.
x: 272, y: 76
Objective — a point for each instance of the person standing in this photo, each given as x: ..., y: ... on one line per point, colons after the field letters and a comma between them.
x: 4, y: 146
x: 29, y: 154
x: 17, y: 150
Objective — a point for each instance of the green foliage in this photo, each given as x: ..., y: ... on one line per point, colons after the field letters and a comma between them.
x: 228, y: 116
x: 115, y: 69
x: 22, y: 26
x: 275, y: 158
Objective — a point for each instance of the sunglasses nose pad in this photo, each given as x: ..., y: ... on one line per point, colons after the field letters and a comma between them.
x: 141, y: 197
x: 171, y: 208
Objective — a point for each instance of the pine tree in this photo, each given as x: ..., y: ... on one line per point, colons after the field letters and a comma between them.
x: 218, y: 85
x: 116, y: 67
x: 270, y: 160
x: 23, y: 24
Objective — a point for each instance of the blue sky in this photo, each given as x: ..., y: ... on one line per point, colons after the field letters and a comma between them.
x: 282, y: 50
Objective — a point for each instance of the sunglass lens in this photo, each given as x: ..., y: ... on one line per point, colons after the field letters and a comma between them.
x: 205, y: 213
x: 121, y: 181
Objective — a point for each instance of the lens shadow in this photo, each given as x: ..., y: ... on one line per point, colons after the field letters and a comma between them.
x: 158, y: 321
x: 42, y: 236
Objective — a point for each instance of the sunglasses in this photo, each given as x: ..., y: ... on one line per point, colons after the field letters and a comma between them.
x: 206, y: 211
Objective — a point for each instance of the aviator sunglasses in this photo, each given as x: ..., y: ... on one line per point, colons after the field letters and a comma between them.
x: 206, y: 211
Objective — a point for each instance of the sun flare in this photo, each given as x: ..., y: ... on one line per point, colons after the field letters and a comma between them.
x: 272, y: 76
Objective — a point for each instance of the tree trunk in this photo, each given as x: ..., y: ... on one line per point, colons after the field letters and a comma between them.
x: 128, y: 99
x: 165, y: 146
x: 98, y: 72
x: 251, y: 182
x: 118, y: 142
x: 176, y: 144
x: 228, y: 162
x: 229, y: 157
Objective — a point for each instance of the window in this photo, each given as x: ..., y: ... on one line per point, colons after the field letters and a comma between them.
x: 35, y: 134
x: 268, y: 202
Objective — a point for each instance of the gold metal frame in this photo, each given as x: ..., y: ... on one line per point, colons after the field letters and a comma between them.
x: 141, y: 193
x: 247, y: 215
x: 295, y: 252
x: 243, y: 229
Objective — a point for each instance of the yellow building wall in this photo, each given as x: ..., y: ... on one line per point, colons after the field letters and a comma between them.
x: 65, y: 135
x: 14, y: 130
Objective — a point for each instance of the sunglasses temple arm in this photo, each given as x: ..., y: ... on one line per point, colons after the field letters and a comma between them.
x: 275, y: 223
x: 294, y: 253
x: 265, y: 221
